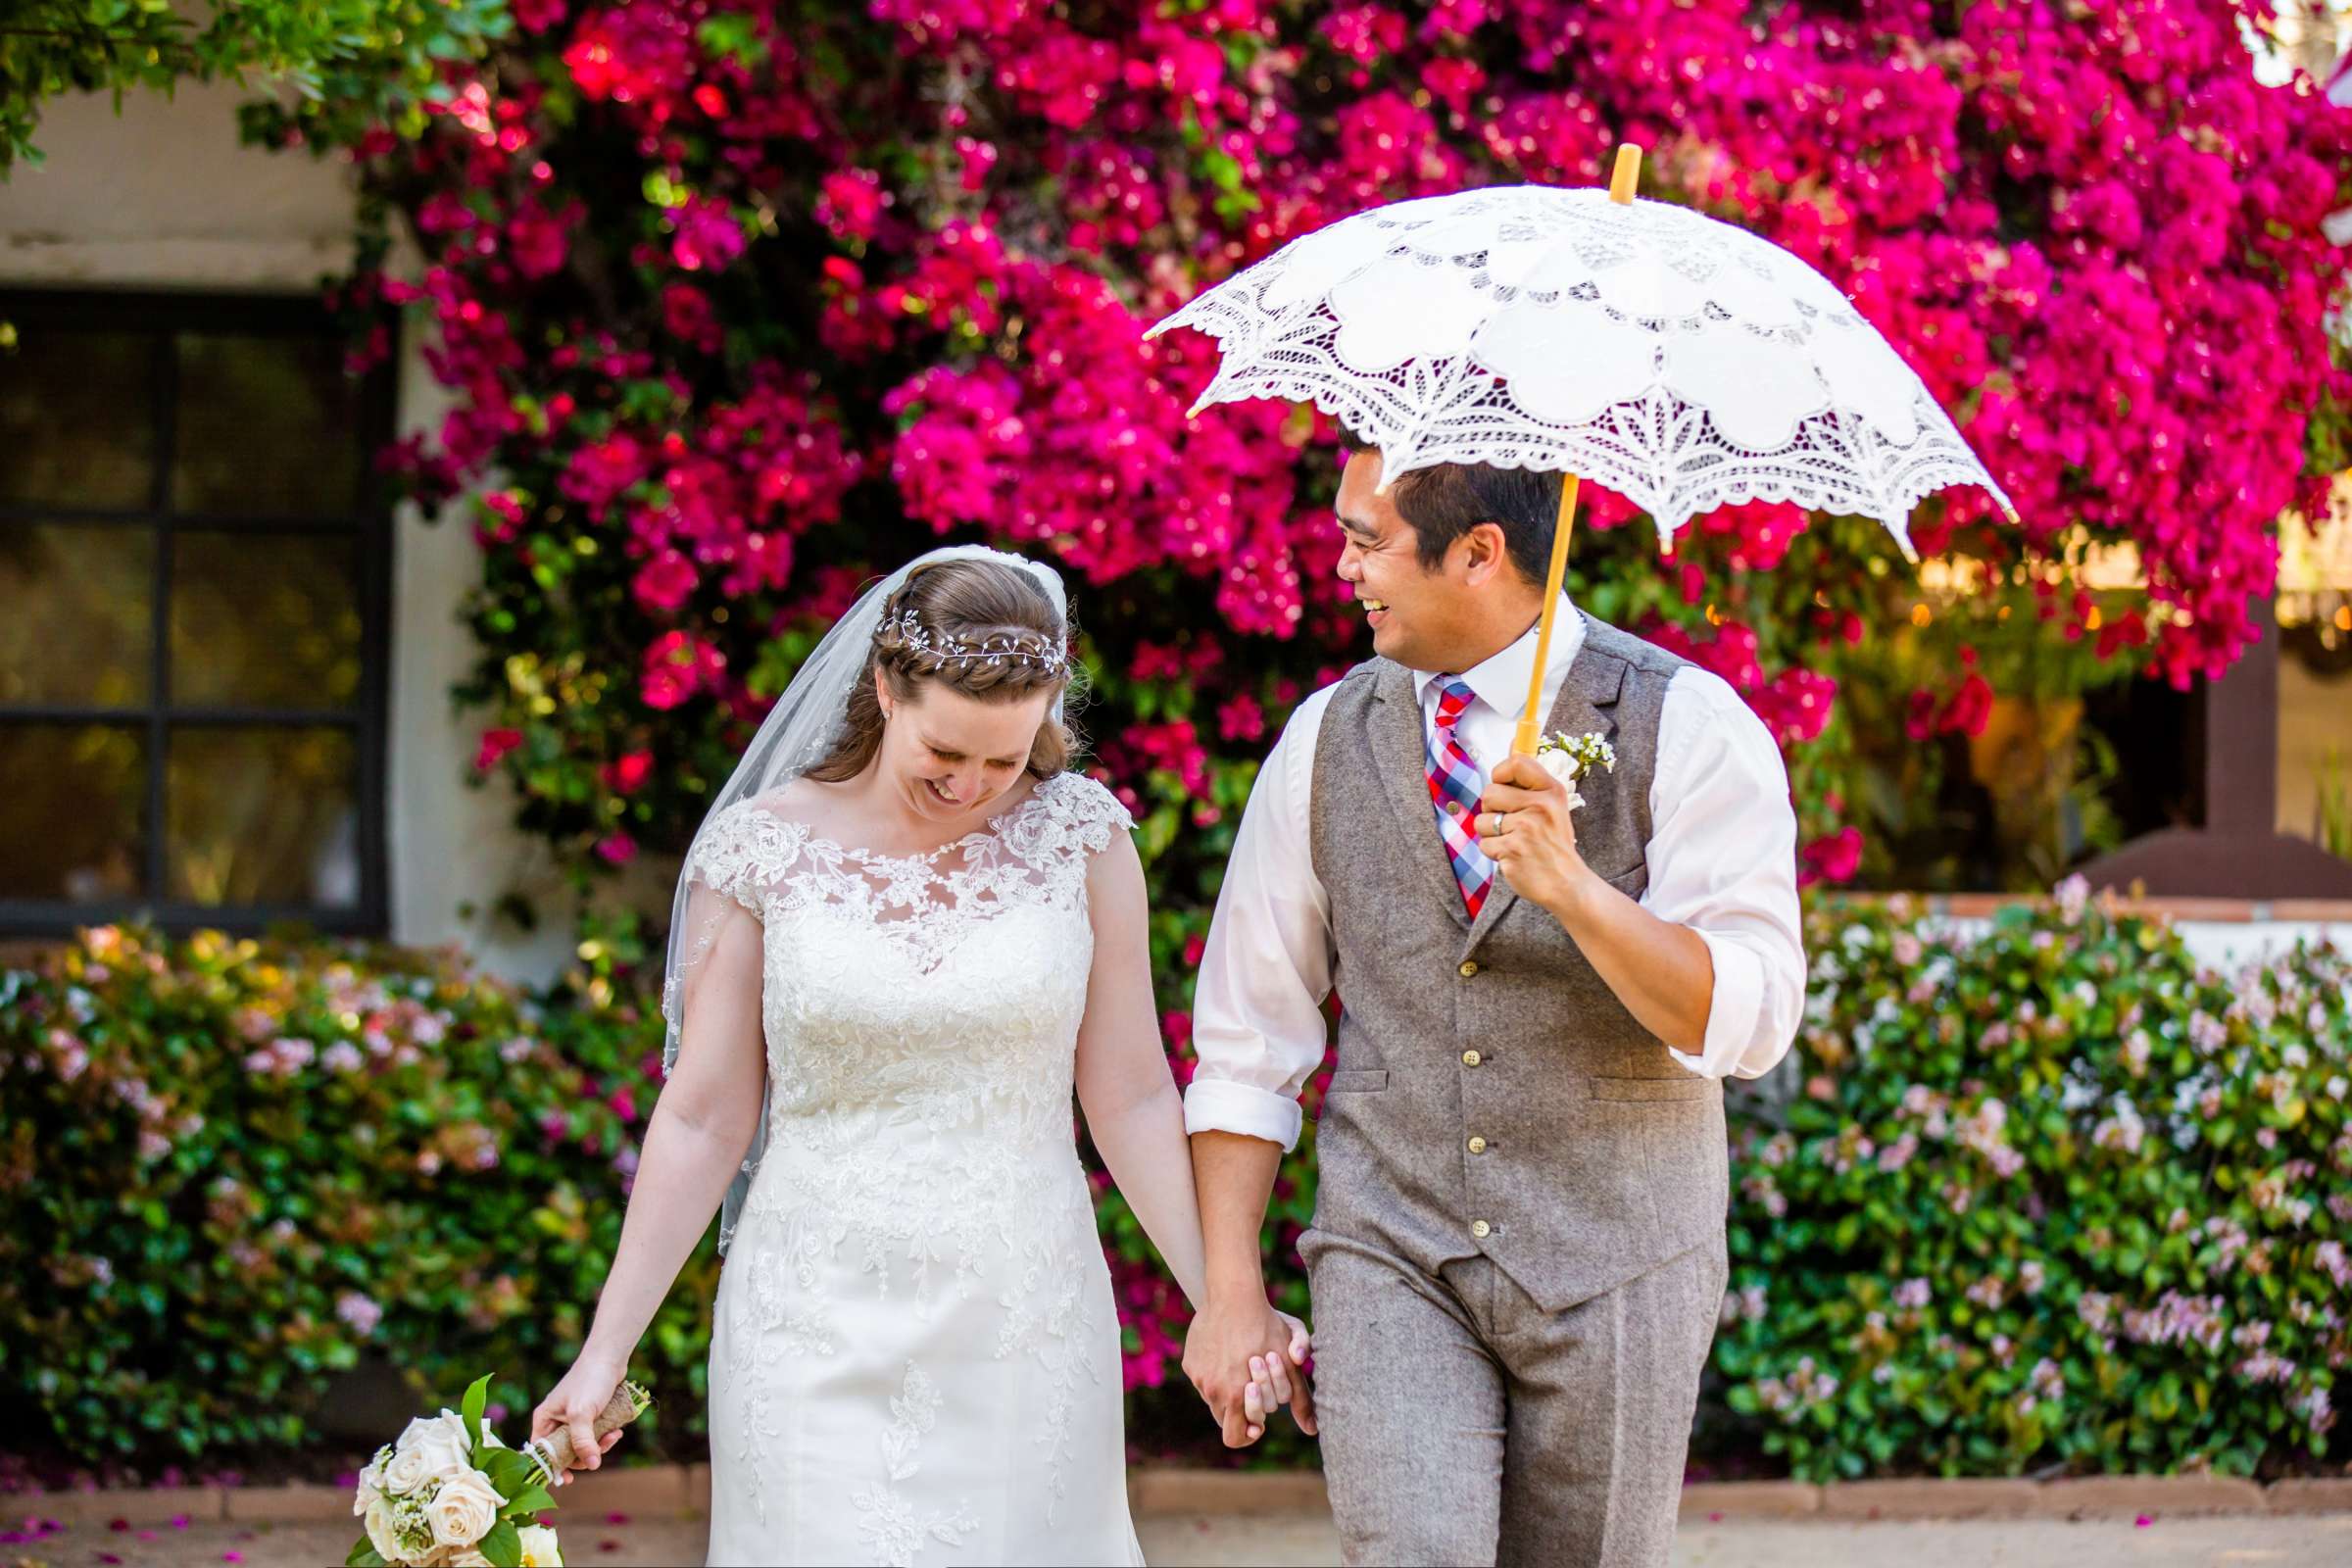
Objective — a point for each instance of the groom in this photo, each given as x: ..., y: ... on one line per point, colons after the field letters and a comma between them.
x: 1517, y: 1256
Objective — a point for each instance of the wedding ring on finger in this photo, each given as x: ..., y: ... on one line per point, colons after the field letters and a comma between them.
x: 1493, y: 829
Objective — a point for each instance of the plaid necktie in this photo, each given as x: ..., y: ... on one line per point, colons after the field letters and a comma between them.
x: 1453, y: 792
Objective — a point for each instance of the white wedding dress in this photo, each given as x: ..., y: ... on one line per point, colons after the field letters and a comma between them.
x: 916, y: 1358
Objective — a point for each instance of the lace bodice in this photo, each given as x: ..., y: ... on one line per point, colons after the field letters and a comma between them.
x: 920, y: 992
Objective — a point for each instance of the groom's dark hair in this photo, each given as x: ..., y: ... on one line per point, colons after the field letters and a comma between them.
x: 1446, y: 500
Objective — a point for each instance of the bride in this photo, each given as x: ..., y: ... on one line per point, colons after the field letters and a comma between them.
x: 903, y: 935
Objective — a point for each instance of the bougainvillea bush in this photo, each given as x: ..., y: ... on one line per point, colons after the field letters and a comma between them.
x: 2053, y: 1194
x: 738, y: 302
x: 229, y: 1171
x: 2050, y: 1194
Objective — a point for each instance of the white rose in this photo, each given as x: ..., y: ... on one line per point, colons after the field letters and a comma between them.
x: 539, y: 1547
x: 378, y: 1519
x: 432, y: 1445
x: 466, y: 1558
x: 1559, y: 765
x: 462, y: 1511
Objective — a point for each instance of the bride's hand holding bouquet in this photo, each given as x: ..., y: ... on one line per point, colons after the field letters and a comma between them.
x: 447, y: 1494
x: 572, y: 1409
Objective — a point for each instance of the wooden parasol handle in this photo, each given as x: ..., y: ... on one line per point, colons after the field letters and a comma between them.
x: 1531, y: 718
x: 1622, y: 181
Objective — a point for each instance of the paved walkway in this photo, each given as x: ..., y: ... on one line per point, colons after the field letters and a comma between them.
x: 2323, y: 1541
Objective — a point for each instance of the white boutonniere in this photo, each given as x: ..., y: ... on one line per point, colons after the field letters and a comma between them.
x: 1569, y: 757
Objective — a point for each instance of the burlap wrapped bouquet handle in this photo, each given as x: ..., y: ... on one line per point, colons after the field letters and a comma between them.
x: 555, y: 1451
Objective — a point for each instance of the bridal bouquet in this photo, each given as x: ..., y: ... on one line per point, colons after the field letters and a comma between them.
x: 1570, y: 757
x: 450, y: 1494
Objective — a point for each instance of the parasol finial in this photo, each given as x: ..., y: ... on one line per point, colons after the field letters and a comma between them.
x: 1627, y: 174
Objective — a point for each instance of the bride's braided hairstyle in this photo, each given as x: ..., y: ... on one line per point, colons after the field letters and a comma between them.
x: 978, y: 627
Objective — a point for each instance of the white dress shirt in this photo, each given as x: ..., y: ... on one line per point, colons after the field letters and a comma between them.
x: 1722, y: 858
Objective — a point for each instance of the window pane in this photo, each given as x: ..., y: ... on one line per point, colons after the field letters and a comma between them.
x: 77, y: 419
x: 265, y: 621
x: 71, y: 827
x: 266, y: 426
x: 2315, y: 674
x: 77, y: 627
x: 261, y: 815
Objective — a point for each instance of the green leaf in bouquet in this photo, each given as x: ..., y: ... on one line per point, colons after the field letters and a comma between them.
x: 531, y: 1501
x: 502, y: 1548
x: 509, y: 1470
x: 477, y: 1396
x: 364, y: 1555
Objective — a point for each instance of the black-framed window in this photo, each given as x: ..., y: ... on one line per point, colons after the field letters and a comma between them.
x: 194, y: 597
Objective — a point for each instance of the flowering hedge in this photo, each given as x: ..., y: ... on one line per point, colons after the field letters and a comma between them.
x: 231, y: 1170
x: 2053, y: 1194
x: 2049, y: 1196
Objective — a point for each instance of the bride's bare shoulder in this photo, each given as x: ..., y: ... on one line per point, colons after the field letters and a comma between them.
x: 801, y: 802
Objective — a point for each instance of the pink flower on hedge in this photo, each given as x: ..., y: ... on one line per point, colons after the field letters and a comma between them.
x: 850, y: 203
x: 677, y: 667
x: 687, y: 315
x: 536, y: 241
x: 617, y: 849
x: 666, y: 581
x: 600, y: 471
x: 706, y: 234
x: 1241, y: 720
x: 496, y: 743
x: 69, y: 1057
x: 1833, y: 859
x: 360, y: 1311
x: 629, y: 773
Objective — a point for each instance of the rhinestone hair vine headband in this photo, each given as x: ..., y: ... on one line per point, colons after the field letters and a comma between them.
x: 1044, y: 652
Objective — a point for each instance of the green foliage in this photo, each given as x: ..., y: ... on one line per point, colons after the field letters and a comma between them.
x: 2052, y: 1196
x: 343, y: 65
x: 231, y: 1170
x: 2046, y: 1196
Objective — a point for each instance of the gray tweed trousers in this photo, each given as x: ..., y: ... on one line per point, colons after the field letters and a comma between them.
x: 1462, y: 1424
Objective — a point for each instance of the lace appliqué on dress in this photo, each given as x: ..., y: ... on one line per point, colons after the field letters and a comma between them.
x: 893, y: 1530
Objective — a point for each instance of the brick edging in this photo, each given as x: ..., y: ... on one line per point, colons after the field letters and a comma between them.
x: 672, y: 1491
x: 1989, y: 1497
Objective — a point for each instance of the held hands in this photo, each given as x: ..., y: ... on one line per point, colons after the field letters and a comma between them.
x: 1244, y: 1360
x: 1525, y: 827
x: 575, y: 1403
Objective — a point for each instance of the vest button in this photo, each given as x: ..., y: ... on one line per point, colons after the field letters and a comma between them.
x: 1470, y: 1058
x: 1479, y: 1228
x: 1469, y: 968
x: 1477, y: 1146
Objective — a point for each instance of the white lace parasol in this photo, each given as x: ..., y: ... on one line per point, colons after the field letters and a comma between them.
x: 1684, y: 363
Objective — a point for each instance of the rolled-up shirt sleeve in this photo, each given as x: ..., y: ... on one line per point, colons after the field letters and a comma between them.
x: 1723, y: 862
x: 1258, y: 1028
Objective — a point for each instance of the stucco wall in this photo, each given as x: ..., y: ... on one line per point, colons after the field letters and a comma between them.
x: 166, y: 197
